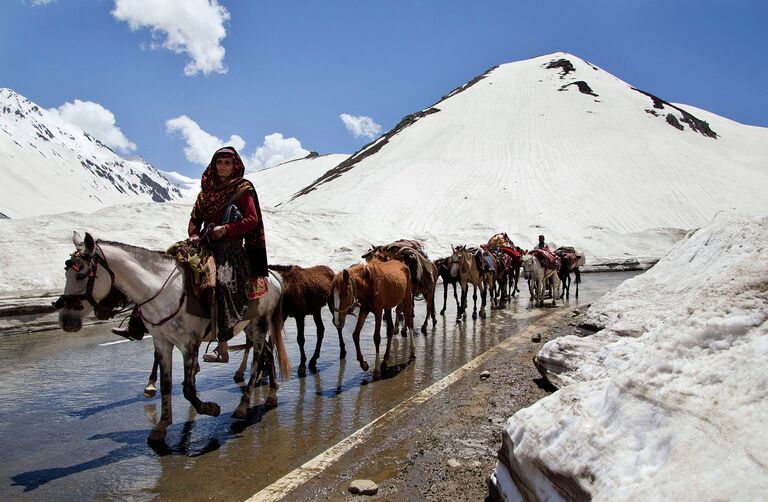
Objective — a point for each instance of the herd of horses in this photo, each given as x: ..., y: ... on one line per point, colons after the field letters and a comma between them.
x: 392, y: 277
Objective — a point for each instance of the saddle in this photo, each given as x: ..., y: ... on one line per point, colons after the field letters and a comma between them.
x: 568, y: 253
x: 199, y: 270
x: 547, y: 258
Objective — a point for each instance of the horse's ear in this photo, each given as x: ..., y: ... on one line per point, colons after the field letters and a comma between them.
x: 78, y: 241
x: 90, y: 244
x: 345, y: 275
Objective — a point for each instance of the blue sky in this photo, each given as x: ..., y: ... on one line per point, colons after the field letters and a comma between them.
x: 293, y: 67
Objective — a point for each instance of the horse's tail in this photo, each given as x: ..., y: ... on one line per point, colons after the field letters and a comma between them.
x: 276, y: 328
x: 578, y: 275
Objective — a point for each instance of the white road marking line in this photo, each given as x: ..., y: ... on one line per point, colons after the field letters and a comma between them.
x: 280, y: 488
x: 122, y: 341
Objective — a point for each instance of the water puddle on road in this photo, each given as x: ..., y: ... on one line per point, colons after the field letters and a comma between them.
x: 73, y: 422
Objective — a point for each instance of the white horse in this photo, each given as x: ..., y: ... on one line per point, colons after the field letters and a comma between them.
x: 538, y: 276
x: 155, y: 283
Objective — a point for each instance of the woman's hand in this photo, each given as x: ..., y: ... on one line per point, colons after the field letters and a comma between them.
x: 193, y: 240
x: 218, y: 232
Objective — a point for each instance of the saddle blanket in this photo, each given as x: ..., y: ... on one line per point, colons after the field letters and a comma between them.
x: 547, y: 258
x: 568, y: 253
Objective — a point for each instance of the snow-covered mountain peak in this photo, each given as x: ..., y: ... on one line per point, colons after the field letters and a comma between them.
x: 50, y: 165
x: 531, y: 145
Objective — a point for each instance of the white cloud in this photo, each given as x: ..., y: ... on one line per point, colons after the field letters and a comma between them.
x: 194, y: 27
x: 38, y: 3
x: 201, y: 145
x: 360, y: 125
x: 276, y: 149
x: 97, y: 121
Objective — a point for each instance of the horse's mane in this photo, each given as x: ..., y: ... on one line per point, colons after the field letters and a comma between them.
x: 282, y: 268
x: 143, y: 253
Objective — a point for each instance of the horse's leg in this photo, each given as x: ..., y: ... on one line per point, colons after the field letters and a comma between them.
x: 239, y: 377
x: 577, y: 272
x: 150, y: 390
x: 474, y: 300
x: 164, y: 354
x: 356, y: 338
x: 257, y: 342
x: 320, y: 334
x: 342, y: 347
x: 461, y: 309
x: 390, y: 323
x: 271, y: 400
x: 300, y: 338
x: 190, y: 353
x: 455, y: 297
x: 409, y: 315
x: 432, y: 302
x: 445, y: 295
x: 377, y: 340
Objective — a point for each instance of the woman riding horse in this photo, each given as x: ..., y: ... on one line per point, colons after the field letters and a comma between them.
x: 225, y: 214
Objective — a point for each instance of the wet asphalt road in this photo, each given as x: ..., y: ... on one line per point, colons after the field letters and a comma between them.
x: 73, y: 422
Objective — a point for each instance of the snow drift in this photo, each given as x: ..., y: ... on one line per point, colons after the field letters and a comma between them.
x: 666, y: 402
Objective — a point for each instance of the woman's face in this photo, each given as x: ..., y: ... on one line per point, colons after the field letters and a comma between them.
x: 224, y: 167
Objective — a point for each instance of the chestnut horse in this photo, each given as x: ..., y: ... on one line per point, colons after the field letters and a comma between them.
x: 377, y: 287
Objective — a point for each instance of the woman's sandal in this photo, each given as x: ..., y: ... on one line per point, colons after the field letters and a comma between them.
x: 216, y: 357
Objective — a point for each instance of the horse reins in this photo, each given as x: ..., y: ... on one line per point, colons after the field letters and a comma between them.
x: 74, y: 301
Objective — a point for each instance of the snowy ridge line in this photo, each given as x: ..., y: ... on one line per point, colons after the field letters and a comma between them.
x: 281, y: 488
x: 376, y: 145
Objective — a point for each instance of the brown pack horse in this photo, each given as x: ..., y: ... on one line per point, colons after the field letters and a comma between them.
x: 305, y: 292
x: 423, y: 275
x: 443, y: 266
x: 464, y: 265
x: 375, y: 287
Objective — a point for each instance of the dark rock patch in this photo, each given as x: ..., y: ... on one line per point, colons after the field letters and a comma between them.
x: 652, y: 112
x: 672, y: 120
x: 563, y: 64
x: 3, y: 217
x: 313, y: 154
x: 698, y: 125
x: 583, y: 87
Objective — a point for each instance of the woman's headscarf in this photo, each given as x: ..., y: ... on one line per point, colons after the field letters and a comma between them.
x: 215, y: 194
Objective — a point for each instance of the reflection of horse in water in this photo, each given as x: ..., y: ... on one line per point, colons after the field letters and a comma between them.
x: 305, y: 292
x: 375, y: 287
x: 154, y: 281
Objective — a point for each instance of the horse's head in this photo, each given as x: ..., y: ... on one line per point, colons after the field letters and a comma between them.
x: 458, y: 257
x: 371, y: 253
x: 343, y: 298
x: 527, y: 266
x: 82, y: 283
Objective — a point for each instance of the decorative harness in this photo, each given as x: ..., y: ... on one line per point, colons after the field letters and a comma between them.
x: 102, y: 309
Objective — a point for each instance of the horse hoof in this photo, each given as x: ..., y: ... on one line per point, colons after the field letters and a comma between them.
x: 442, y: 312
x: 364, y: 366
x: 211, y: 409
x: 342, y: 354
x: 423, y: 330
x: 240, y: 414
x: 156, y: 438
x: 238, y: 378
x: 376, y: 375
x: 270, y: 402
x: 150, y: 391
x: 302, y: 371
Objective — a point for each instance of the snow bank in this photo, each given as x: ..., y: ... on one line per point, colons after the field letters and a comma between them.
x: 668, y: 401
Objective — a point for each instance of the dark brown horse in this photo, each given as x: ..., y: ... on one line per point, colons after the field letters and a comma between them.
x: 570, y: 261
x: 375, y: 287
x: 305, y: 292
x: 443, y: 266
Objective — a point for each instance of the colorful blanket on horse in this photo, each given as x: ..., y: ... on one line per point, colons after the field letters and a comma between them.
x: 500, y: 240
x: 547, y: 258
x: 570, y: 254
x: 395, y: 246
